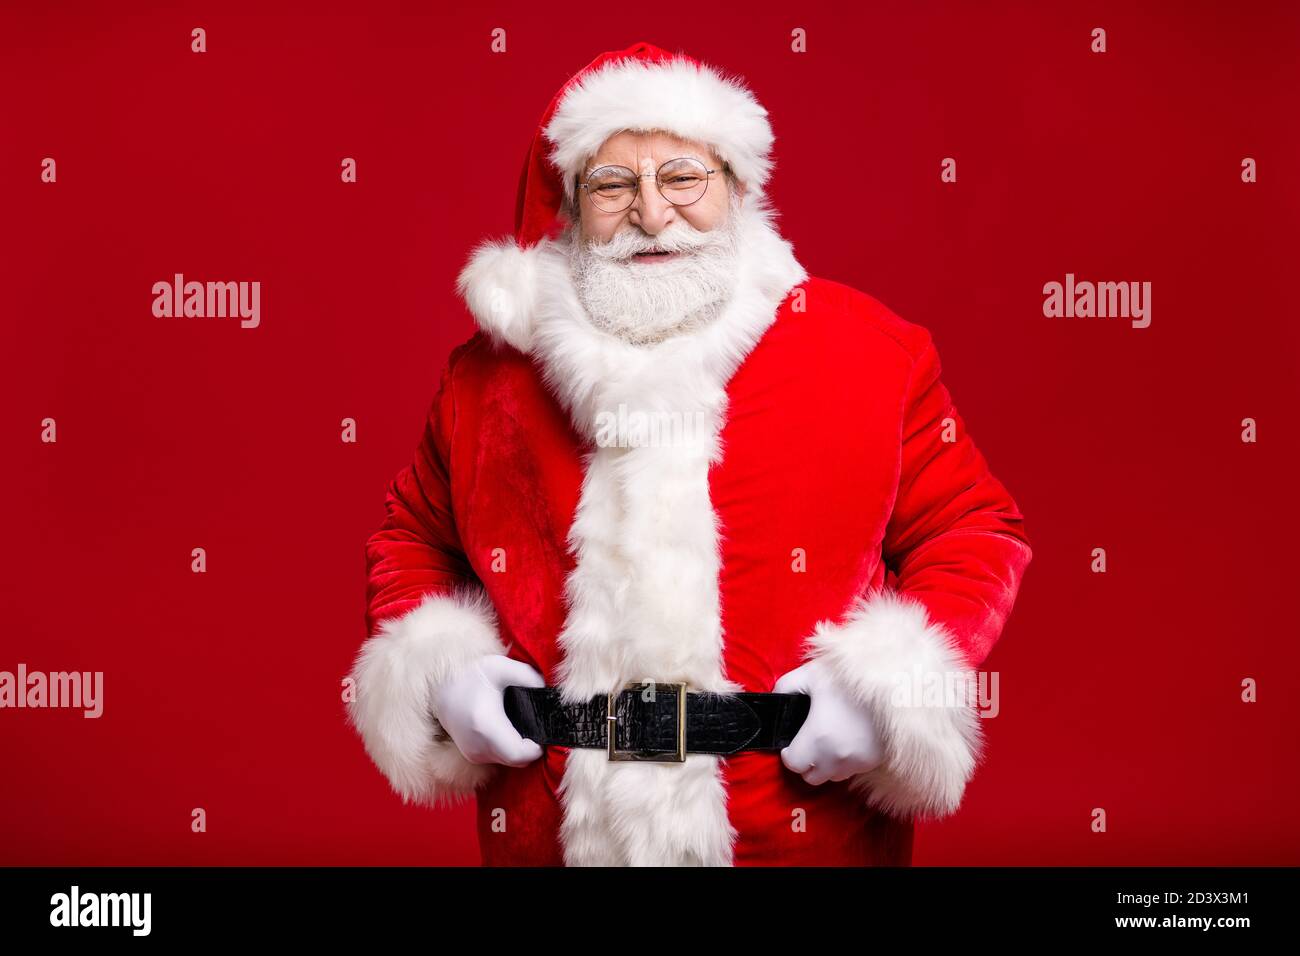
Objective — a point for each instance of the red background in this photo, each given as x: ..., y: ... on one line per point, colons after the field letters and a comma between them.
x: 222, y: 690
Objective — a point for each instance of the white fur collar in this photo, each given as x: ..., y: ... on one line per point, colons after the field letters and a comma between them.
x: 643, y: 601
x: 526, y: 298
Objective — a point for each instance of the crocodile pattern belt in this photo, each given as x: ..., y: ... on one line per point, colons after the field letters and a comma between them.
x: 658, y: 721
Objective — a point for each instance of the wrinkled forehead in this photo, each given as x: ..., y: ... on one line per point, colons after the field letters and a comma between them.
x: 646, y: 151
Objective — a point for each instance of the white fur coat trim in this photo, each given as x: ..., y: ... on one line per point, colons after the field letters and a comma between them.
x: 643, y: 602
x: 920, y: 690
x: 393, y: 674
x: 692, y: 101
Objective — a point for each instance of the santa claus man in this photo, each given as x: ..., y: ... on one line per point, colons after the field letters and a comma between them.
x: 695, y: 548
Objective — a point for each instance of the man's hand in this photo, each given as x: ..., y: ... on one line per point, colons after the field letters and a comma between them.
x: 471, y: 707
x: 839, y: 739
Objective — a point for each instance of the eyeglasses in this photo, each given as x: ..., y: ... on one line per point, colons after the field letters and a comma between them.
x: 681, y: 181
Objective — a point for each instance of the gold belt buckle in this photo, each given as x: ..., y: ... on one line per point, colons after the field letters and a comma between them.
x: 611, y: 724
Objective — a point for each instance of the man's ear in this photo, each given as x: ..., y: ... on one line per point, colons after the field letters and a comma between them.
x: 735, y: 183
x: 571, y: 208
x: 568, y: 214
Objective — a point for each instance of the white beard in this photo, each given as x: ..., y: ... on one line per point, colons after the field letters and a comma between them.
x: 643, y: 303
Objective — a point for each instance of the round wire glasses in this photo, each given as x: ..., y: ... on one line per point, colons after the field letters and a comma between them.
x: 681, y: 181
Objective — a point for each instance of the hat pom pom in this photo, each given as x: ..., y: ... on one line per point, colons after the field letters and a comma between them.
x: 499, y: 285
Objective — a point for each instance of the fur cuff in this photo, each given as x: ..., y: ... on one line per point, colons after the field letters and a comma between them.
x: 920, y: 690
x: 394, y: 673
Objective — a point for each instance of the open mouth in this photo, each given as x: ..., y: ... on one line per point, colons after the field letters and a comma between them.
x: 657, y: 256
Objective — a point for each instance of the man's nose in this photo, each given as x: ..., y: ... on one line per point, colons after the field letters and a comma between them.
x: 651, y: 211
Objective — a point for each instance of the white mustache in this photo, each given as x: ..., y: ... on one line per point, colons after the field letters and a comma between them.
x: 677, y: 238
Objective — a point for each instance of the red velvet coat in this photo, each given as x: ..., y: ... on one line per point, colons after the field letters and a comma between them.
x: 854, y: 518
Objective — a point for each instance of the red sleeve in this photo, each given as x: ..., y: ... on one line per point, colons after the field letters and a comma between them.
x: 956, y: 540
x: 417, y: 550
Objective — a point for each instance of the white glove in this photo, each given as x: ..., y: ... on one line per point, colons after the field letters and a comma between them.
x: 471, y: 707
x: 839, y: 739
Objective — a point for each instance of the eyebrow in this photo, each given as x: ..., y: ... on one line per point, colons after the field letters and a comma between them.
x: 595, y: 166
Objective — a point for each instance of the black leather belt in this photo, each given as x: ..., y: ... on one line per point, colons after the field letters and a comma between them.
x: 662, y: 722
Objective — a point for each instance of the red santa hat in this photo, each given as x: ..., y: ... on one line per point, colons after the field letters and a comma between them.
x: 640, y: 88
